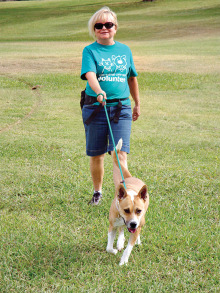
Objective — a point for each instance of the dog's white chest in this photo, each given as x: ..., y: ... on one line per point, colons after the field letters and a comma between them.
x: 119, y: 222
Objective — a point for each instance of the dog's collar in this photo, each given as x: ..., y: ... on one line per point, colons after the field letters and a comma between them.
x: 117, y: 204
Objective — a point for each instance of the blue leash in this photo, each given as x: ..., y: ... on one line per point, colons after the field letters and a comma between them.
x: 123, y: 180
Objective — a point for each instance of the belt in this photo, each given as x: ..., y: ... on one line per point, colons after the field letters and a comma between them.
x: 89, y: 100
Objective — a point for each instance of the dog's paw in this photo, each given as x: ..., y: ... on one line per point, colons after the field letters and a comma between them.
x: 123, y: 262
x: 124, y: 259
x: 112, y: 250
x: 120, y: 246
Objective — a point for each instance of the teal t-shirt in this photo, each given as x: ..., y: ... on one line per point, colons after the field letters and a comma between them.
x: 113, y: 66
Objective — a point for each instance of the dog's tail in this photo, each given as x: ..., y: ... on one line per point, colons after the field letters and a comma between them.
x: 124, y: 169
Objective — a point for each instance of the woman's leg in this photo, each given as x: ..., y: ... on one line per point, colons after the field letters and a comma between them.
x: 97, y: 171
x: 96, y: 146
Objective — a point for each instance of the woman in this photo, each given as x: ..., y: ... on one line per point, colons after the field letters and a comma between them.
x: 108, y: 67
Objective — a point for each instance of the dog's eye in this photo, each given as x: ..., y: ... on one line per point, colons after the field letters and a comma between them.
x: 127, y: 211
x: 138, y: 211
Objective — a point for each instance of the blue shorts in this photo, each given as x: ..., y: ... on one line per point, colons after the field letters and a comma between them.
x: 98, y: 137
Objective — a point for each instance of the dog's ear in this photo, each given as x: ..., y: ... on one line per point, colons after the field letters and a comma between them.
x: 122, y: 193
x: 143, y: 193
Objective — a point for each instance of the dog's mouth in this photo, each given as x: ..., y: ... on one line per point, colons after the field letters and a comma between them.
x: 131, y: 230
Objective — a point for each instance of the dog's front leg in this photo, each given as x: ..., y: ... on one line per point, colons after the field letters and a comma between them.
x: 131, y: 243
x: 126, y: 254
x: 111, y: 238
x: 138, y: 242
x: 121, y: 239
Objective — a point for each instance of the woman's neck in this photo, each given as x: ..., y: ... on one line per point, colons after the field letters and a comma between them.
x: 106, y: 42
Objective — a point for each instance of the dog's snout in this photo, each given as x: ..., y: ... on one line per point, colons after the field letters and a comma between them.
x: 133, y: 225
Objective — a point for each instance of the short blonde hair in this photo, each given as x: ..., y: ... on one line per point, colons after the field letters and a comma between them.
x: 101, y: 15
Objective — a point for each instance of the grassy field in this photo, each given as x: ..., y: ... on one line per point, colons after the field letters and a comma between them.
x: 51, y: 240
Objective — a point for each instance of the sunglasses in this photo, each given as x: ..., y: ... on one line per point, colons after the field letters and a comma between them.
x: 107, y: 25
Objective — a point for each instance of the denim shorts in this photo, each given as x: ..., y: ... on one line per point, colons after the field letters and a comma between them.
x: 98, y: 137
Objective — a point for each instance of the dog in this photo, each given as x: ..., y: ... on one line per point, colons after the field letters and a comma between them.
x: 128, y: 209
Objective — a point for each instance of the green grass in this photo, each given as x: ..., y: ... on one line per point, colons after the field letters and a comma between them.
x: 51, y: 240
x: 65, y: 20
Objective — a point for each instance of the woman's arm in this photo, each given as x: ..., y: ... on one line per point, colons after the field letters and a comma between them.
x: 133, y: 85
x: 95, y: 86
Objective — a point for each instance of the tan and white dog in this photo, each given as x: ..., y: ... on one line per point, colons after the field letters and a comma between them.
x: 127, y: 210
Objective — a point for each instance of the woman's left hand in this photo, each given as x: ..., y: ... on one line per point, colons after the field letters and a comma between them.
x: 136, y: 113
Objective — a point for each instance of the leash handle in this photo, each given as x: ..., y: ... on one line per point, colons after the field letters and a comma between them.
x: 123, y: 180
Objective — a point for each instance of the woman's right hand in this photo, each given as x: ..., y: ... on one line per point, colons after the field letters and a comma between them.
x: 101, y: 98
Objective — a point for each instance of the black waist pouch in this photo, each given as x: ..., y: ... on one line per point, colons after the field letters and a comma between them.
x: 83, y: 97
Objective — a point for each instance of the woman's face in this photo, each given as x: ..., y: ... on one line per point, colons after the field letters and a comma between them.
x: 104, y: 35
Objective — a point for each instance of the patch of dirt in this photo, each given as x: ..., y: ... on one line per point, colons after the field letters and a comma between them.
x: 40, y: 65
x: 190, y: 64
